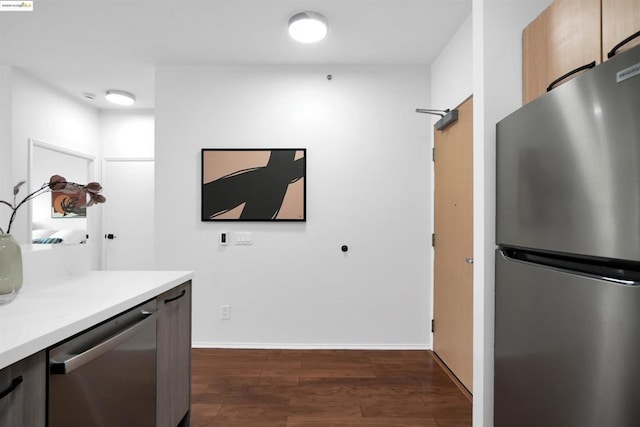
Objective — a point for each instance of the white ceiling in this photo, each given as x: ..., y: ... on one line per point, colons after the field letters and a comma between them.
x: 94, y: 45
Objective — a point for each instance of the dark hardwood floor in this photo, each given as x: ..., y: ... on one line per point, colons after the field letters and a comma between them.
x: 291, y: 388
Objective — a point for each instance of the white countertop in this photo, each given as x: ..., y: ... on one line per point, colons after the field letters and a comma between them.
x: 47, y: 313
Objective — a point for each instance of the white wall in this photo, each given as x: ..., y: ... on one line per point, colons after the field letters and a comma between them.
x: 41, y: 112
x: 497, y: 88
x: 6, y: 181
x: 368, y: 181
x: 127, y: 133
x: 452, y: 71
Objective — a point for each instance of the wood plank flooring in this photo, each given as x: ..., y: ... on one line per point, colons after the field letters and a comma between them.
x: 318, y: 388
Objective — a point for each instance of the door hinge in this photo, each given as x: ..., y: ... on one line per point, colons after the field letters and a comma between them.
x: 433, y: 239
x: 433, y: 322
x: 433, y: 154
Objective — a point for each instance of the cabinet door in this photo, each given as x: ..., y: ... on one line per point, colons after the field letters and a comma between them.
x: 565, y: 36
x: 25, y: 404
x: 620, y: 19
x: 174, y: 355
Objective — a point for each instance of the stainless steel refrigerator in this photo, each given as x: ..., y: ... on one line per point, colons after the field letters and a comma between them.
x: 567, y: 326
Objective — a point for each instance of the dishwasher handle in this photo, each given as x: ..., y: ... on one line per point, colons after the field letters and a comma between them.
x: 73, y: 361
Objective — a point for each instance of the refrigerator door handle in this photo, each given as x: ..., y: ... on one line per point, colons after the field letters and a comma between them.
x: 577, y: 266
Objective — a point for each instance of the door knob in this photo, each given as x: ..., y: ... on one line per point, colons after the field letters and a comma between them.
x: 468, y: 260
x: 109, y: 236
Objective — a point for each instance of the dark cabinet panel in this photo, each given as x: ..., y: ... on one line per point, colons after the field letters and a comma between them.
x: 174, y: 355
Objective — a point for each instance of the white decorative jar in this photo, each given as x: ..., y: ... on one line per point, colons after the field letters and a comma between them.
x: 10, y: 268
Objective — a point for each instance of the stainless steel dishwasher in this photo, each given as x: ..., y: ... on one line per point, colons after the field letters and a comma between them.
x: 106, y: 376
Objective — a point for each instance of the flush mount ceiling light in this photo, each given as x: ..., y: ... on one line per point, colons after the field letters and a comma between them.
x: 308, y: 27
x: 120, y: 97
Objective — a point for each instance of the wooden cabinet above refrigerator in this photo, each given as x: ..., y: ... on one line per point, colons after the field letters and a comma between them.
x: 620, y: 19
x: 570, y: 34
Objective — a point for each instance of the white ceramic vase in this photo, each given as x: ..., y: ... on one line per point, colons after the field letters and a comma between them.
x: 10, y: 268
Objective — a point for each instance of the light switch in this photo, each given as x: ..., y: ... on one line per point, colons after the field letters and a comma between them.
x: 244, y: 238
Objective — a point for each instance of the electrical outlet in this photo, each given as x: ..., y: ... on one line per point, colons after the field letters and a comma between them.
x: 225, y: 312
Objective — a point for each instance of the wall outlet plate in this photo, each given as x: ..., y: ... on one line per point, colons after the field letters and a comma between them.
x: 225, y: 312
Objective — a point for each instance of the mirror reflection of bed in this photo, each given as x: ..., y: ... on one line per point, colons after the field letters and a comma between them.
x: 47, y: 160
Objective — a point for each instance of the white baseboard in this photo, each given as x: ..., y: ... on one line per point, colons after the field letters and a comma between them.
x: 289, y: 346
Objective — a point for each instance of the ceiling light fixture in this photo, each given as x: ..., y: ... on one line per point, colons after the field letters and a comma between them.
x: 308, y: 27
x: 120, y: 97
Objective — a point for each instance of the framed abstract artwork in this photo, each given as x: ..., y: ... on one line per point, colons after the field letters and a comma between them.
x: 254, y: 184
x: 68, y: 203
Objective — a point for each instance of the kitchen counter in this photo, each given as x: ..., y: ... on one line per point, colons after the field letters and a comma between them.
x: 46, y: 313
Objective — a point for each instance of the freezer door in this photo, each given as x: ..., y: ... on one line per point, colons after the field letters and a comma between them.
x: 566, y: 349
x: 568, y: 166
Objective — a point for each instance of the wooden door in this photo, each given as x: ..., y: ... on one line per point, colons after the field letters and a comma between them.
x: 453, y: 246
x: 128, y: 214
x: 620, y: 19
x: 565, y: 36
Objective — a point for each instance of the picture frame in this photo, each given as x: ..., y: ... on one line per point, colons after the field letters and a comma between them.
x: 68, y: 203
x: 253, y: 184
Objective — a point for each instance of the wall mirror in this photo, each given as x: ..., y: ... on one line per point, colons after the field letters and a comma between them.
x: 47, y: 226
